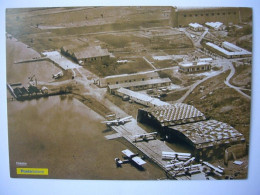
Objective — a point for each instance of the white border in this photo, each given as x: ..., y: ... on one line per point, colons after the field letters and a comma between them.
x: 51, y: 186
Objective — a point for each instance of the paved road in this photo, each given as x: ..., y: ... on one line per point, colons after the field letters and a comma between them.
x: 149, y: 62
x: 196, y: 84
x: 226, y: 65
x: 238, y: 89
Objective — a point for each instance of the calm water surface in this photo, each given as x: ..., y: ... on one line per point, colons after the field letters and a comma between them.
x: 60, y: 133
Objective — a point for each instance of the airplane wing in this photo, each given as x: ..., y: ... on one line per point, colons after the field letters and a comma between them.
x: 128, y: 153
x: 138, y: 161
x: 125, y: 118
x: 145, y: 135
x: 113, y: 121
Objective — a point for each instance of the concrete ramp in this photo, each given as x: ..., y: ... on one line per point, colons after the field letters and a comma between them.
x: 113, y: 136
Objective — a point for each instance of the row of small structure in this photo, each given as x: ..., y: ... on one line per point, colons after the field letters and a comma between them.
x: 213, y: 25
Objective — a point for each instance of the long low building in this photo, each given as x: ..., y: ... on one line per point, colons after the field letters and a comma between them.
x: 140, y: 98
x: 86, y: 55
x: 127, y: 78
x: 228, y: 50
x: 216, y: 25
x: 141, y: 85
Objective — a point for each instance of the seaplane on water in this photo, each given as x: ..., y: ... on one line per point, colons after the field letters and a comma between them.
x: 145, y: 136
x: 130, y: 158
x: 118, y: 121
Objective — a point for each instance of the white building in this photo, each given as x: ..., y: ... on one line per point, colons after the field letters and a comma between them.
x: 141, y: 85
x: 215, y: 25
x: 140, y: 98
x: 127, y: 78
x: 228, y: 50
x: 86, y: 55
x: 196, y: 27
x: 193, y: 67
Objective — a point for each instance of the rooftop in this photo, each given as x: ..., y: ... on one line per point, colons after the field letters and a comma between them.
x: 195, y: 25
x: 229, y: 53
x: 215, y: 25
x: 147, y: 74
x: 199, y: 63
x: 233, y: 47
x: 203, y: 8
x: 207, y: 133
x: 142, y: 97
x: 93, y: 51
x: 140, y: 83
x: 86, y: 52
x: 174, y: 114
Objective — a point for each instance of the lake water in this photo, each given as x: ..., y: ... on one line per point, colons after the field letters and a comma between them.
x: 60, y: 133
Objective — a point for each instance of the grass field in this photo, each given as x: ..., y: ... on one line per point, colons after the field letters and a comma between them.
x: 242, y: 77
x: 164, y: 63
x: 222, y: 103
x: 173, y: 96
x: 113, y: 68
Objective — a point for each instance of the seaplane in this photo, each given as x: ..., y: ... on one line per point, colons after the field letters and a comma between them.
x: 145, y: 137
x: 117, y: 121
x: 130, y: 158
x: 58, y: 75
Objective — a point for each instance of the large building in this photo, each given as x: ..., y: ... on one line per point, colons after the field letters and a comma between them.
x: 172, y: 114
x: 208, y: 138
x: 140, y: 98
x: 182, y: 17
x: 193, y: 67
x: 86, y: 55
x: 127, y: 78
x: 141, y: 85
x: 228, y: 50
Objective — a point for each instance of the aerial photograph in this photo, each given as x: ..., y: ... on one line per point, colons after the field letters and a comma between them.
x: 129, y: 92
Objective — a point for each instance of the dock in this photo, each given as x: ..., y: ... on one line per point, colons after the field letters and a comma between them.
x: 153, y: 149
x: 31, y: 60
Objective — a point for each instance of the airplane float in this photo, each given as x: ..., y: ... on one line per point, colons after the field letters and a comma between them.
x: 145, y: 136
x: 117, y: 121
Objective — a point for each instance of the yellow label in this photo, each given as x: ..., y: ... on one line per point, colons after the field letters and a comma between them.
x: 32, y: 171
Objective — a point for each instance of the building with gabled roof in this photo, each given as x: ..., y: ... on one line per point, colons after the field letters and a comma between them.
x: 171, y: 114
x: 196, y: 27
x: 207, y: 137
x: 127, y: 78
x: 86, y: 55
x: 215, y: 25
x: 140, y: 98
x: 141, y: 85
x: 228, y: 50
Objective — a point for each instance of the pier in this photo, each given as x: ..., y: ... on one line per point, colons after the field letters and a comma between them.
x: 31, y: 60
x: 152, y: 149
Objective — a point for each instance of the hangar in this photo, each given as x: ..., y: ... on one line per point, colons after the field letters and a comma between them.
x: 208, y: 138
